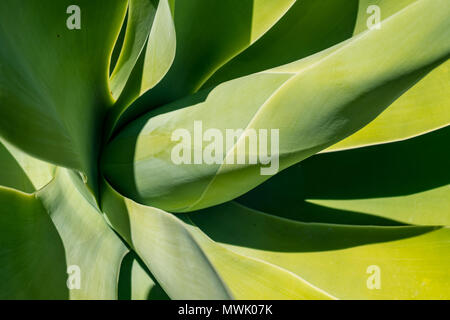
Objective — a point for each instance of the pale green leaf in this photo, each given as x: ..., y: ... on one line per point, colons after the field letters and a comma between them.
x: 412, y: 261
x: 21, y: 171
x: 253, y: 279
x: 136, y: 282
x: 208, y: 34
x: 314, y: 103
x: 147, y: 53
x: 405, y: 182
x: 166, y: 247
x: 90, y: 245
x: 32, y: 259
x: 54, y: 81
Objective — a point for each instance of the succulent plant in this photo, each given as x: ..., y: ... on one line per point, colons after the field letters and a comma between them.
x: 234, y: 149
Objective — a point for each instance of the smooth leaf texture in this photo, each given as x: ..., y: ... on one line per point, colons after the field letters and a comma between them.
x: 422, y: 109
x: 147, y: 53
x: 53, y: 100
x: 307, y: 28
x: 311, y: 26
x: 136, y: 283
x: 32, y: 259
x: 406, y: 182
x: 57, y: 230
x: 88, y: 241
x: 250, y: 278
x: 314, y: 103
x: 208, y: 34
x: 141, y: 14
x: 413, y: 261
x: 185, y: 262
x: 166, y: 247
x: 21, y: 171
x: 88, y: 118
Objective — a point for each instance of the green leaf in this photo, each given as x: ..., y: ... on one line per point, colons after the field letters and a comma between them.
x: 32, y: 260
x: 141, y: 15
x: 147, y: 53
x: 21, y: 171
x: 253, y: 279
x: 308, y: 27
x: 136, y: 282
x: 314, y: 103
x: 311, y: 26
x: 411, y: 260
x: 208, y: 34
x: 54, y: 99
x: 185, y: 262
x: 89, y: 243
x: 389, y: 184
x: 166, y: 247
x: 378, y: 185
x: 424, y: 108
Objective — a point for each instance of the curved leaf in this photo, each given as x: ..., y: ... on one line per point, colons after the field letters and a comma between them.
x: 21, y: 171
x: 411, y: 261
x: 147, y: 54
x: 53, y: 100
x: 166, y: 247
x: 32, y: 260
x: 424, y: 108
x: 308, y: 27
x: 253, y: 279
x: 404, y: 182
x: 90, y: 245
x: 311, y: 26
x: 314, y: 103
x: 208, y: 34
x: 136, y: 282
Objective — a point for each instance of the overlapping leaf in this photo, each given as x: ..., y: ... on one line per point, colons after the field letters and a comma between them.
x: 147, y: 53
x: 32, y: 259
x: 412, y: 261
x: 166, y: 247
x: 89, y: 243
x: 136, y: 283
x: 55, y: 104
x: 404, y: 182
x: 21, y: 171
x: 314, y: 103
x: 208, y: 34
x: 54, y: 80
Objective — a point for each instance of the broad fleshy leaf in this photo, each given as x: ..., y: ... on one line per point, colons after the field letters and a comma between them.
x: 91, y: 247
x: 403, y: 182
x: 32, y: 259
x: 21, y: 171
x: 166, y: 247
x: 54, y: 79
x: 308, y: 27
x: 136, y: 282
x: 422, y: 109
x: 314, y: 103
x: 254, y: 279
x: 147, y: 53
x: 208, y: 34
x: 410, y: 262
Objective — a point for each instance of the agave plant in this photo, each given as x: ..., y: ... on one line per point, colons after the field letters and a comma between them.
x: 93, y: 205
